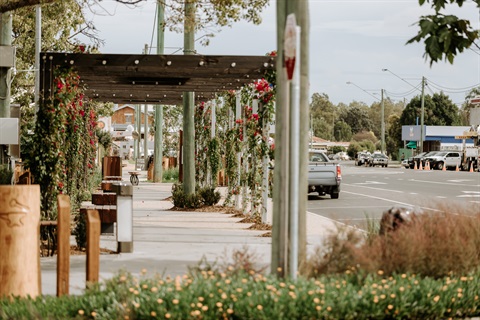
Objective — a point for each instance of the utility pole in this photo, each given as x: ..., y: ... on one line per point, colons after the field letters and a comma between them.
x: 281, y: 232
x: 188, y: 105
x: 158, y: 149
x: 382, y: 117
x: 422, y: 115
x: 5, y: 73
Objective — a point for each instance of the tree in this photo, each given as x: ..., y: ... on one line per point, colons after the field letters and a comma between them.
x: 445, y: 36
x: 343, y: 132
x: 394, y: 135
x: 439, y: 111
x: 323, y: 111
x: 356, y: 116
x: 467, y: 106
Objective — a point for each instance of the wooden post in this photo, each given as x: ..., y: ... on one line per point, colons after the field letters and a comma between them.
x: 93, y: 246
x: 19, y: 241
x: 63, y: 245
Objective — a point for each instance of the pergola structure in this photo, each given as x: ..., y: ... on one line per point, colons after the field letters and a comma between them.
x: 154, y: 79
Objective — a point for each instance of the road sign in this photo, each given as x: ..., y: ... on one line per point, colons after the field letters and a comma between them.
x: 290, y: 45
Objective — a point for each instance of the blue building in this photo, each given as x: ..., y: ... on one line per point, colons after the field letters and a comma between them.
x: 436, y: 137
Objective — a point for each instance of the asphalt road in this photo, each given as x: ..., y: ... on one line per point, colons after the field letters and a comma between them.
x: 367, y: 192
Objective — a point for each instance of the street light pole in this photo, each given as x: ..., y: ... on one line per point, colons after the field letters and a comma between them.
x: 382, y: 116
x: 422, y: 115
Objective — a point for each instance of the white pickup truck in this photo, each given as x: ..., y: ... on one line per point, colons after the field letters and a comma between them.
x: 324, y: 176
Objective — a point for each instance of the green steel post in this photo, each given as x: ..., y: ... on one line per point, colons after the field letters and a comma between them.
x: 188, y: 105
x: 158, y: 150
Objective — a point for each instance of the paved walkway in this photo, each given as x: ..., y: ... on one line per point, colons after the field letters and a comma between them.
x: 168, y: 242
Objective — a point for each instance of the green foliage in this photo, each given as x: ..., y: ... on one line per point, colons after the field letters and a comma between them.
x: 444, y: 36
x: 209, y: 196
x: 336, y: 149
x: 170, y: 175
x: 203, y: 196
x: 356, y: 116
x: 364, y: 145
x: 6, y: 174
x: 248, y: 295
x: 439, y: 111
x: 104, y: 139
x: 182, y: 200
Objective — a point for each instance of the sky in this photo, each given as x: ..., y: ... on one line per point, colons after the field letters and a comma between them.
x: 350, y: 41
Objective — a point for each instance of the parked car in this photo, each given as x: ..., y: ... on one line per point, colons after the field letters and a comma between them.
x: 415, y: 159
x: 361, y: 158
x: 445, y: 159
x: 324, y: 176
x: 378, y: 159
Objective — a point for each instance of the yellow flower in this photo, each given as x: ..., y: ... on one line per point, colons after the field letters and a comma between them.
x: 389, y: 307
x: 239, y: 289
x: 380, y: 272
x: 199, y: 304
x: 329, y: 308
x: 145, y: 286
x: 154, y: 289
x: 201, y: 298
x: 392, y: 296
x: 459, y: 295
x: 93, y: 314
x: 229, y: 311
x: 459, y: 289
x: 224, y: 296
x: 404, y: 276
x: 291, y: 287
x: 318, y: 308
x: 153, y: 314
x: 123, y: 279
x: 283, y: 285
x: 204, y: 308
x: 316, y: 300
x: 175, y: 301
x: 279, y: 269
x: 463, y: 279
x: 401, y: 289
x: 375, y: 299
x: 374, y: 285
x: 227, y: 281
x: 81, y: 312
x: 144, y: 271
x: 168, y: 315
x: 249, y: 294
x: 259, y: 307
x: 219, y: 304
x: 131, y: 289
x: 160, y: 301
x: 383, y: 296
x: 436, y: 298
x: 135, y: 292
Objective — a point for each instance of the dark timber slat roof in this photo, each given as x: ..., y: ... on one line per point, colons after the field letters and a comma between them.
x: 155, y: 79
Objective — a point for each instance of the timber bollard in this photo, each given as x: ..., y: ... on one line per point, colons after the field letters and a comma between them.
x: 93, y: 246
x: 63, y: 245
x: 20, y: 241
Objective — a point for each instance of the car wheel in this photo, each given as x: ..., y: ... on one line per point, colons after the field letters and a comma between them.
x: 440, y: 166
x: 334, y: 195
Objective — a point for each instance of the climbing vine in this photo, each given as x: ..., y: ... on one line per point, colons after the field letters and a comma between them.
x: 62, y: 157
x: 240, y: 144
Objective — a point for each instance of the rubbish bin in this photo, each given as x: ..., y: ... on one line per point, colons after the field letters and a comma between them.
x: 124, y: 192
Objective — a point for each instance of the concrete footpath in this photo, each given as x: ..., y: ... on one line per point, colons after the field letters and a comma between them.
x: 168, y: 242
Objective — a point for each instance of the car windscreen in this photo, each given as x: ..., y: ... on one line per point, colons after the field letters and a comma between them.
x: 317, y: 157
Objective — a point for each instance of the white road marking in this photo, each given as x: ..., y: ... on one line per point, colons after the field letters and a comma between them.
x: 443, y: 182
x: 370, y: 182
x: 362, y: 186
x: 389, y: 200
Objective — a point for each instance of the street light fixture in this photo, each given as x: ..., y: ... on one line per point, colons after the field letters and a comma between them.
x: 349, y: 82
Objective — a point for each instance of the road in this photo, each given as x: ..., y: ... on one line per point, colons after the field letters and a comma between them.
x: 367, y: 192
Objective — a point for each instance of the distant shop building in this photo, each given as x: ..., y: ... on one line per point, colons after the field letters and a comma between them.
x: 436, y: 138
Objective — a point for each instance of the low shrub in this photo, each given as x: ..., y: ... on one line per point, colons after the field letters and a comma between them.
x: 170, y: 175
x: 249, y: 295
x: 6, y: 174
x: 203, y: 196
x: 209, y: 196
x: 436, y: 244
